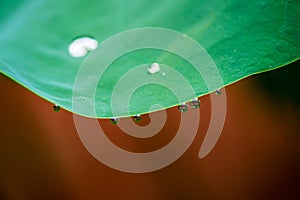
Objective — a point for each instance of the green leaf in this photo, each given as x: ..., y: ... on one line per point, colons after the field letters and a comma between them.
x: 239, y: 37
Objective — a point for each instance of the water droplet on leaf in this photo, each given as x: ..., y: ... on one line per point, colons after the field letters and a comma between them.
x: 114, y: 120
x: 195, y: 104
x: 154, y: 68
x: 56, y: 108
x: 137, y: 118
x: 183, y: 108
x: 81, y: 46
x: 218, y: 92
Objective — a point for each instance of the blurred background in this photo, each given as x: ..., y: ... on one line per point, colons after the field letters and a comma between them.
x: 256, y: 157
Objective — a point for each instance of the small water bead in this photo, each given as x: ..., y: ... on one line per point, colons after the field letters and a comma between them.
x: 56, y: 108
x: 195, y: 104
x: 218, y: 92
x: 154, y: 68
x: 183, y: 108
x: 81, y: 46
x: 114, y: 120
x: 137, y: 118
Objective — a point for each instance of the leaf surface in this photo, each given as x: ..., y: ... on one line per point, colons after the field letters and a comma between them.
x: 241, y: 38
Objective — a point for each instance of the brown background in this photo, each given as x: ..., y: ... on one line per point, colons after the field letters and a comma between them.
x: 257, y: 156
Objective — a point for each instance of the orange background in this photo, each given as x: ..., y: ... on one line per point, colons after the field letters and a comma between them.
x: 256, y: 157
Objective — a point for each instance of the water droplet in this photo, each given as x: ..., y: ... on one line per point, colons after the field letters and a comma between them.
x: 183, y: 108
x: 218, y: 92
x: 56, y: 108
x: 114, y: 120
x: 195, y: 104
x: 81, y: 46
x: 163, y: 73
x: 154, y: 68
x: 137, y: 118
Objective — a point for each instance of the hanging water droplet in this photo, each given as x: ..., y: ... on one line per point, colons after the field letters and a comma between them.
x: 114, y: 120
x: 137, y: 118
x: 56, y: 108
x: 218, y: 92
x: 183, y: 108
x: 81, y: 46
x: 195, y: 104
x: 154, y: 68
